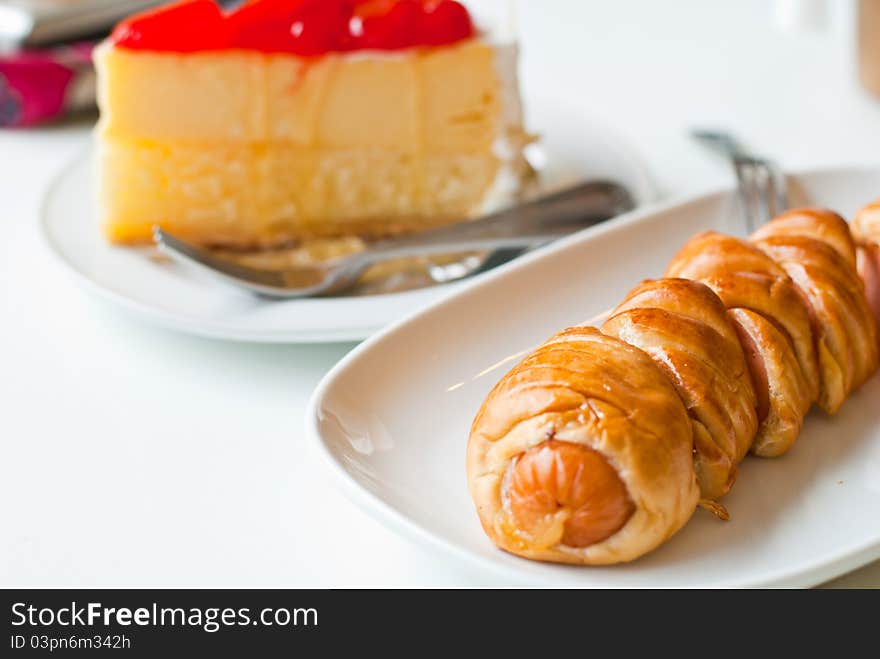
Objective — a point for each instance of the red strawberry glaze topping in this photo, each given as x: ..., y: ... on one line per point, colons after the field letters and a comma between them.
x: 300, y: 27
x: 182, y: 27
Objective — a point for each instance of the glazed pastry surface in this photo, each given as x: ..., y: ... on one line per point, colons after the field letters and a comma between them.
x: 743, y: 276
x: 598, y: 446
x: 817, y: 223
x: 783, y: 363
x: 866, y: 232
x: 843, y: 327
x: 775, y: 372
x: 683, y: 326
x: 582, y: 411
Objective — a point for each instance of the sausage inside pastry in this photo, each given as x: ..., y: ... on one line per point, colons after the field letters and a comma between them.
x: 783, y: 395
x: 582, y: 453
x: 597, y: 447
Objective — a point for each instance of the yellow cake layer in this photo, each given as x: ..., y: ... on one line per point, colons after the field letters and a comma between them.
x: 258, y: 194
x: 244, y: 148
x: 444, y: 98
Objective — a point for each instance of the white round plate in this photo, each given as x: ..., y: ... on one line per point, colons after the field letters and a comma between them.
x: 183, y: 299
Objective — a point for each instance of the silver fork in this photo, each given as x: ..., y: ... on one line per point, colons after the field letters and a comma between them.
x: 760, y: 182
x: 526, y: 225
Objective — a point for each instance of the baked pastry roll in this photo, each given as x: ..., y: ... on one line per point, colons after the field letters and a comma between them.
x: 683, y: 326
x: 746, y: 278
x: 823, y: 266
x: 866, y: 232
x: 582, y: 454
x: 818, y: 223
x: 784, y: 397
x: 743, y: 276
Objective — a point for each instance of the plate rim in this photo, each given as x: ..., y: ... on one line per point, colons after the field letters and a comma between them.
x: 807, y: 574
x: 351, y: 331
x: 180, y: 324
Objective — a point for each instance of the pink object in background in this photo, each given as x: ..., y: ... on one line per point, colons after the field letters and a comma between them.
x: 40, y: 85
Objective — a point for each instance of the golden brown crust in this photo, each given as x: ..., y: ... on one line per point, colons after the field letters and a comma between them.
x: 590, y: 389
x: 865, y: 226
x: 682, y: 296
x: 684, y: 327
x: 789, y: 395
x: 743, y: 276
x: 868, y: 260
x: 817, y: 223
x: 704, y: 254
x: 843, y: 326
x: 584, y: 452
x: 866, y: 233
x: 778, y: 300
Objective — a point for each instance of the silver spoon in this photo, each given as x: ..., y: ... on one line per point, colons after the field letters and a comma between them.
x: 526, y: 225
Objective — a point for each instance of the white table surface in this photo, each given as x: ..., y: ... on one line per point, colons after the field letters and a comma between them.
x: 133, y: 456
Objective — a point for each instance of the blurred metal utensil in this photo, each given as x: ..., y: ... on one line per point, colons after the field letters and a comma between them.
x: 530, y: 224
x: 38, y: 23
x: 761, y: 184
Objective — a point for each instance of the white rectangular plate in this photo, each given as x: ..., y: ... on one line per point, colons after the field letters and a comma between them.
x: 392, y: 418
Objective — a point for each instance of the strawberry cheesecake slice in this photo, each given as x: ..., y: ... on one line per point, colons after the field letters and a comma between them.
x: 291, y: 119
